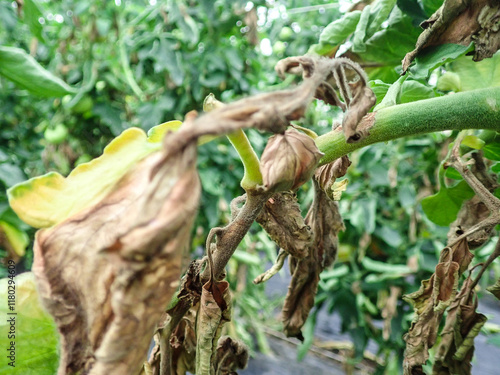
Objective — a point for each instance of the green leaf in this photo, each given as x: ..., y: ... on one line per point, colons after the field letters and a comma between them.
x: 430, y: 6
x: 379, y: 88
x: 391, y: 97
x: 358, y: 40
x: 449, y: 81
x: 413, y: 9
x: 379, y: 13
x: 11, y: 174
x: 22, y: 69
x: 339, y: 30
x: 47, y: 200
x: 442, y: 208
x: 492, y: 151
x: 382, y: 267
x: 477, y: 75
x: 390, y: 45
x: 411, y: 91
x: 432, y: 57
x: 473, y: 141
x: 36, y: 338
x: 32, y: 14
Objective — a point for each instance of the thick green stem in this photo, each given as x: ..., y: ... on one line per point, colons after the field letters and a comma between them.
x: 478, y: 109
x: 252, y: 176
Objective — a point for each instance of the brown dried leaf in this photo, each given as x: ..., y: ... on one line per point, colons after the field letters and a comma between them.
x: 107, y: 273
x: 230, y: 356
x: 282, y: 220
x: 213, y: 313
x: 325, y: 220
x: 328, y: 173
x: 361, y: 103
x: 288, y: 160
x: 474, y: 210
x: 183, y: 344
x: 463, y: 323
x: 461, y: 22
x: 430, y: 302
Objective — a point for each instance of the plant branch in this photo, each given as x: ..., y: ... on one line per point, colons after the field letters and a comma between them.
x: 477, y: 109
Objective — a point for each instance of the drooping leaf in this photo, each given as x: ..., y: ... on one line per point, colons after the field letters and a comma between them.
x: 127, y: 249
x: 22, y: 69
x: 495, y: 289
x: 47, y: 200
x: 461, y: 23
x: 282, y: 220
x: 430, y: 303
x: 214, y: 312
x: 463, y: 324
x: 36, y: 341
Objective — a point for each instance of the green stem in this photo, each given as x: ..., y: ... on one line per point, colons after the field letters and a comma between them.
x: 129, y: 76
x: 478, y: 109
x: 252, y: 176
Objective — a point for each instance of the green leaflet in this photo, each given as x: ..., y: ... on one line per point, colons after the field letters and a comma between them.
x: 433, y: 57
x: 36, y: 335
x: 473, y: 75
x: 32, y: 14
x: 336, y: 33
x: 442, y: 208
x: 22, y: 69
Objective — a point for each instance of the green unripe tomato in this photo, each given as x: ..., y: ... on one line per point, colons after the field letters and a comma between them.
x: 286, y: 33
x: 57, y: 134
x: 84, y: 105
x: 279, y: 47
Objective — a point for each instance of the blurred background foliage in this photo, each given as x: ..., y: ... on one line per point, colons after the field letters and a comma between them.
x: 138, y: 63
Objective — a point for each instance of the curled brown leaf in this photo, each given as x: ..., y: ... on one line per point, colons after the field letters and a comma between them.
x: 288, y: 160
x: 107, y: 273
x: 282, y: 220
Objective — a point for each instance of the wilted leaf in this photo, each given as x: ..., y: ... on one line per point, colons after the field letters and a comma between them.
x: 463, y: 324
x: 35, y: 338
x: 47, y: 200
x: 230, y: 356
x: 288, y: 160
x: 214, y: 312
x: 430, y: 303
x: 327, y: 174
x: 282, y: 220
x: 22, y: 69
x: 325, y: 220
x: 107, y: 272
x: 474, y: 210
x: 461, y: 22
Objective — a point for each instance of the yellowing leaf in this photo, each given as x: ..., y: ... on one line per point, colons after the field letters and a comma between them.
x: 47, y: 200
